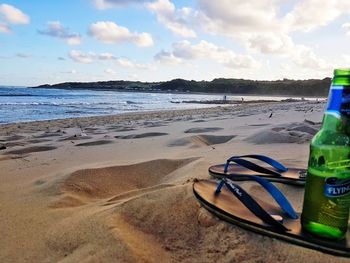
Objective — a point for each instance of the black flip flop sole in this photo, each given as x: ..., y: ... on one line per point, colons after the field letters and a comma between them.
x: 230, y: 209
x: 295, y: 176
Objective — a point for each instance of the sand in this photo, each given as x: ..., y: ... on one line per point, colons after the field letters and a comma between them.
x: 119, y: 188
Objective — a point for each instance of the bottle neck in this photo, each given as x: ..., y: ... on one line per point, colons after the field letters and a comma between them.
x: 337, y: 114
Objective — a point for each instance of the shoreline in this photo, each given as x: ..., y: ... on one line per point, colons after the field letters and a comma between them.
x: 128, y: 116
x: 214, y: 103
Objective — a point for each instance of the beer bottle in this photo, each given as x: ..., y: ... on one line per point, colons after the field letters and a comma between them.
x: 326, y: 200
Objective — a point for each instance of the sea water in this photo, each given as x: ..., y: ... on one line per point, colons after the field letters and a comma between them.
x: 19, y: 104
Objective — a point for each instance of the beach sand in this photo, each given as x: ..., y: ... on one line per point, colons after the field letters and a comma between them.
x: 119, y: 188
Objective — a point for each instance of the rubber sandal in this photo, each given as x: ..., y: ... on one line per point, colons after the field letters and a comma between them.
x: 233, y: 204
x: 273, y: 171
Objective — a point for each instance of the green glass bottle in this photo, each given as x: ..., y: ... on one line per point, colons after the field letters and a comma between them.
x: 326, y: 199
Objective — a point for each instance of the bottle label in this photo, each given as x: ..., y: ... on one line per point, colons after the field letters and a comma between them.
x: 335, y: 188
x: 339, y: 101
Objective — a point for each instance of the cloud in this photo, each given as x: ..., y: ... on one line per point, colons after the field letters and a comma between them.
x: 73, y: 71
x: 122, y: 61
x: 110, y: 32
x: 268, y: 43
x: 346, y: 26
x: 91, y: 57
x: 22, y: 55
x: 205, y: 50
x: 127, y: 63
x: 176, y: 20
x: 305, y: 58
x: 109, y: 71
x: 57, y: 30
x: 229, y: 17
x: 167, y: 58
x: 320, y: 13
x: 13, y: 15
x: 4, y: 28
x: 81, y: 57
x: 105, y: 4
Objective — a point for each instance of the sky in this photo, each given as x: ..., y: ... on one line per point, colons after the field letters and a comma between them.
x: 53, y: 41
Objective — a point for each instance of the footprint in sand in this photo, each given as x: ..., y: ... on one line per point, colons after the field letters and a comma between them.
x: 199, y: 121
x: 38, y: 141
x: 48, y: 134
x: 75, y: 138
x: 12, y: 138
x: 94, y: 143
x: 202, y: 130
x: 290, y: 133
x: 142, y: 135
x: 201, y: 140
x: 32, y: 149
x: 120, y: 129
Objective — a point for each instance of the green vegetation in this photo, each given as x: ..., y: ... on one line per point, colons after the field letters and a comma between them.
x: 312, y: 87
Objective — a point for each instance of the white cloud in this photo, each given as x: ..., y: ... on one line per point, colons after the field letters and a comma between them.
x: 81, y: 57
x: 229, y: 17
x: 310, y: 14
x: 4, y: 28
x: 205, y: 50
x: 176, y: 20
x: 127, y: 63
x: 346, y: 26
x: 109, y: 71
x: 56, y: 29
x: 106, y: 56
x: 269, y: 43
x: 110, y: 32
x: 305, y: 58
x: 91, y: 57
x: 166, y: 57
x: 73, y: 71
x: 13, y: 15
x: 105, y: 4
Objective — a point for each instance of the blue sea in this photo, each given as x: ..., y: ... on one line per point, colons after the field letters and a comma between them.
x: 18, y: 104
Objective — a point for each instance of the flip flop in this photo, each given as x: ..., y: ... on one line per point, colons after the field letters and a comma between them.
x: 234, y: 205
x: 277, y: 172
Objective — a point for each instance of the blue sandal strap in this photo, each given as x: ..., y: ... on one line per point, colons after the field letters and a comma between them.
x: 251, y: 204
x: 255, y: 167
x: 274, y: 192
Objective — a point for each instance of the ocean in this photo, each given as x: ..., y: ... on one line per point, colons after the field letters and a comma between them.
x: 18, y: 104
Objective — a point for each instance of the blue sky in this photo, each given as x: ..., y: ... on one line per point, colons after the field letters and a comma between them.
x: 150, y: 40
